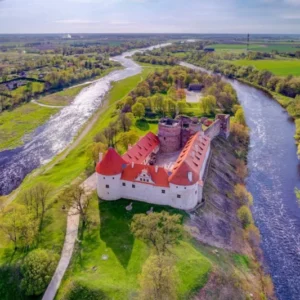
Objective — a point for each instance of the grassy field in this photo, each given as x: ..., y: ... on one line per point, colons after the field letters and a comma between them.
x: 21, y: 121
x: 277, y: 67
x: 62, y: 98
x: 65, y: 172
x: 257, y: 47
x: 117, y: 277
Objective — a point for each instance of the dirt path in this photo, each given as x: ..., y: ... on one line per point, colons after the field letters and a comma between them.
x: 71, y: 236
x: 45, y: 105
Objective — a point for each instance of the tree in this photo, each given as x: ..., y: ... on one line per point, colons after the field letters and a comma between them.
x: 19, y: 226
x: 125, y: 121
x: 240, y: 117
x: 158, y: 279
x: 95, y: 149
x: 181, y: 105
x: 35, y: 199
x: 77, y: 202
x: 208, y: 104
x: 128, y: 138
x: 138, y: 109
x: 161, y: 230
x: 37, y: 270
x: 245, y: 216
x: 244, y: 197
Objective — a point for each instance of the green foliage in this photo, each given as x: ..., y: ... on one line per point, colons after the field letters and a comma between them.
x: 78, y: 291
x: 240, y: 117
x: 95, y: 149
x: 208, y: 104
x: 158, y: 279
x: 19, y: 226
x: 128, y: 138
x: 244, y: 197
x: 138, y: 110
x: 161, y: 230
x: 37, y: 270
x: 245, y: 216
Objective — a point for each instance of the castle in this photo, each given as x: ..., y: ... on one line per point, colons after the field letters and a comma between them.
x: 165, y: 169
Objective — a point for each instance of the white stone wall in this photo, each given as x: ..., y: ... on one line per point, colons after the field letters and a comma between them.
x: 108, y: 187
x: 181, y: 197
x: 204, y: 163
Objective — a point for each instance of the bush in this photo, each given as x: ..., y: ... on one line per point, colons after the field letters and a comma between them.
x: 37, y: 270
x: 78, y: 291
x: 245, y: 216
x: 244, y: 197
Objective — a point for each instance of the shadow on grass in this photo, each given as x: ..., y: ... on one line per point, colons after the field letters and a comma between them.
x: 115, y: 225
x: 142, y: 124
x: 10, y: 279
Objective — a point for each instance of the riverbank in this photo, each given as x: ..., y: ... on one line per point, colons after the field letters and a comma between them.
x: 288, y: 103
x: 59, y: 173
x: 17, y: 125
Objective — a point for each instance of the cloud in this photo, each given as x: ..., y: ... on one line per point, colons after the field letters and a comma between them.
x: 76, y: 21
x: 291, y: 16
x: 293, y: 2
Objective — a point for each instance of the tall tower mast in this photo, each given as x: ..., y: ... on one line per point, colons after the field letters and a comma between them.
x: 248, y: 41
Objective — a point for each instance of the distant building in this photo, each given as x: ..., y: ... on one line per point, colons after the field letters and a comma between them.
x: 209, y: 49
x: 182, y: 149
x: 196, y: 87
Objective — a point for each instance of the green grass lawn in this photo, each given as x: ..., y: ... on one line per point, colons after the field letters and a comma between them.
x: 66, y: 171
x: 20, y: 121
x: 62, y: 98
x: 280, y: 47
x: 278, y: 67
x: 117, y: 277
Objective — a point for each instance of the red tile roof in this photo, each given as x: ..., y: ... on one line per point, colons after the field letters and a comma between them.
x: 191, y: 160
x: 111, y: 164
x: 160, y: 178
x: 142, y: 149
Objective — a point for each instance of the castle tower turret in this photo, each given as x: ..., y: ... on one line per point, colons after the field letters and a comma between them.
x: 169, y: 134
x: 224, y: 124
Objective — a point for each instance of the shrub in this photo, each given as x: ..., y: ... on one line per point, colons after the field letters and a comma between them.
x: 244, y: 197
x: 37, y: 270
x: 245, y: 216
x: 76, y: 290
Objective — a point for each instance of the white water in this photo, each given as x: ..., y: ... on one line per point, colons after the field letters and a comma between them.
x: 54, y: 136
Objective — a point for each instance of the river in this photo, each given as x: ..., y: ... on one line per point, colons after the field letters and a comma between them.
x: 272, y: 162
x: 55, y: 135
x: 273, y: 174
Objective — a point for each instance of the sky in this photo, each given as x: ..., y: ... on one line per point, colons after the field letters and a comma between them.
x: 150, y: 16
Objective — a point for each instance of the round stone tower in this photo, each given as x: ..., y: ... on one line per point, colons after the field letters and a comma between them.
x: 169, y: 134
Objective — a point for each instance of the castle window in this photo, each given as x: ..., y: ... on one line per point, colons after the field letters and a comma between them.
x: 133, y: 186
x: 178, y: 196
x: 103, y: 177
x: 196, y: 192
x: 113, y: 177
x: 107, y: 186
x: 124, y: 184
x: 163, y: 191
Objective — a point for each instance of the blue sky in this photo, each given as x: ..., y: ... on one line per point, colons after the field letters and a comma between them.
x: 181, y: 16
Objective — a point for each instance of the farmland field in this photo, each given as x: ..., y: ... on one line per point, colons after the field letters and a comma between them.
x: 291, y: 47
x: 277, y: 67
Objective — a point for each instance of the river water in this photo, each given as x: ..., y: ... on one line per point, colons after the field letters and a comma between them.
x: 55, y: 135
x: 272, y: 162
x: 273, y: 175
